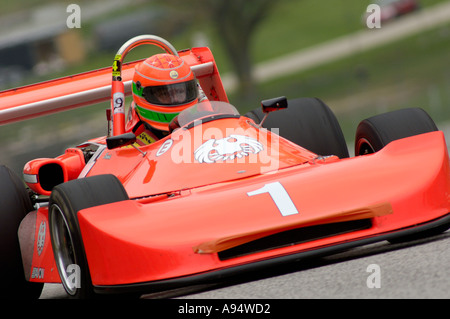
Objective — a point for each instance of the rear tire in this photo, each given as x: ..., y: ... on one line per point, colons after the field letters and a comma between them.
x: 65, y: 202
x: 307, y: 122
x: 376, y: 132
x: 15, y: 203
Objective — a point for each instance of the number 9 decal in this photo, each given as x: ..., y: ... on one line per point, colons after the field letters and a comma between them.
x: 118, y: 99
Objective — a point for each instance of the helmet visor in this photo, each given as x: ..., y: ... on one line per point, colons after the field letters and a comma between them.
x: 171, y: 94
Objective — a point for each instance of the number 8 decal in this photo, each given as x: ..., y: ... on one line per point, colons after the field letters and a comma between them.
x: 279, y: 195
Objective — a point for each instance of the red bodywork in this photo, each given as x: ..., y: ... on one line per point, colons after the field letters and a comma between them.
x: 397, y: 8
x: 187, y: 219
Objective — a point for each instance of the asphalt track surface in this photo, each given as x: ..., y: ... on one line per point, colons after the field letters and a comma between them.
x: 414, y: 270
x: 417, y: 269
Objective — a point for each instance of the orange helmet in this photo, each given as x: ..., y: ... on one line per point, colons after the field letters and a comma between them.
x: 163, y: 86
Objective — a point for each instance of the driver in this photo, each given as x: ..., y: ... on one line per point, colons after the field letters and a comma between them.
x: 163, y: 86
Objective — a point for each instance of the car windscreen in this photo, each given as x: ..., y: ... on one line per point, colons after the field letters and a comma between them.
x: 205, y: 109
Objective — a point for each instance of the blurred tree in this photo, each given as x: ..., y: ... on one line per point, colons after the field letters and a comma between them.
x: 235, y: 22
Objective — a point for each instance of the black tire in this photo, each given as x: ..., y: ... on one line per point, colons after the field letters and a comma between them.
x: 307, y: 122
x: 15, y: 203
x: 65, y: 201
x: 376, y: 132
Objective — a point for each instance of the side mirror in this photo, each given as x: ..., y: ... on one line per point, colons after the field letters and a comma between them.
x: 271, y: 105
x: 274, y: 104
x: 116, y: 141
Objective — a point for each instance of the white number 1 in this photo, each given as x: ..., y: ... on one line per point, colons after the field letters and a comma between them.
x: 279, y: 196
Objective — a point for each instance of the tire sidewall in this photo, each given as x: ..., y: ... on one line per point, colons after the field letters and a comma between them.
x: 70, y: 198
x: 58, y: 199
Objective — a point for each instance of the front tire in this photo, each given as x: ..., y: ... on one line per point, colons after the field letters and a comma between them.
x: 15, y: 203
x: 65, y: 202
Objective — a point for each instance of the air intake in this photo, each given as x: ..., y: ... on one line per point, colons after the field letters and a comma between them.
x: 294, y: 237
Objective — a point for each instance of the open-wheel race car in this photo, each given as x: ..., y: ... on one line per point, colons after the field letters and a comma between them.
x: 221, y: 194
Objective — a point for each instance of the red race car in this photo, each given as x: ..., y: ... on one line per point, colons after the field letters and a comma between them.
x: 222, y: 194
x: 392, y: 9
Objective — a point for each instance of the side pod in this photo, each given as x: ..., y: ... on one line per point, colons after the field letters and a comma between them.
x: 42, y: 174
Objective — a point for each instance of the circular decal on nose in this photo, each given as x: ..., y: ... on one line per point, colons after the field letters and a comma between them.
x: 164, y: 148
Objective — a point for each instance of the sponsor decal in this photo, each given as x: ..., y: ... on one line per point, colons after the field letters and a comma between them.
x: 41, y: 238
x: 228, y: 148
x: 37, y: 273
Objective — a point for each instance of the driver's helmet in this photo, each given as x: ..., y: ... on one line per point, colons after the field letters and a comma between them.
x: 163, y: 86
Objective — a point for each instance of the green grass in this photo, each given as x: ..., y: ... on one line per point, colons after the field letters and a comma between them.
x: 412, y: 72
